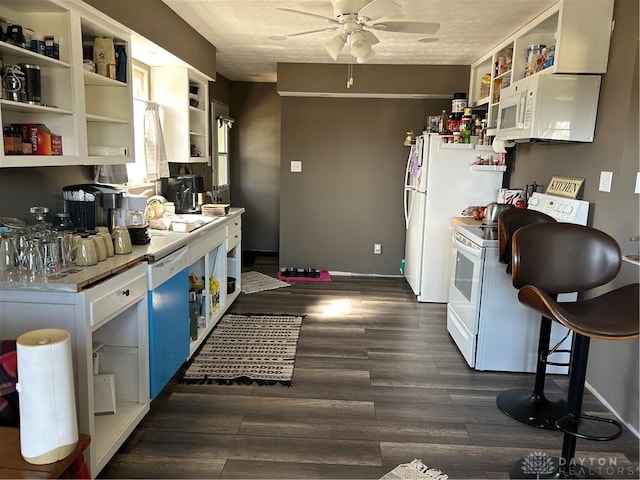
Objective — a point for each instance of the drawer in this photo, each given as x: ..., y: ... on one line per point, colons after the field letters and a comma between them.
x: 200, y: 247
x: 233, y: 240
x: 234, y: 226
x: 117, y: 294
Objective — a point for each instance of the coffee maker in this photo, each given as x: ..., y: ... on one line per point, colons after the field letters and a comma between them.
x: 90, y: 205
x: 185, y: 192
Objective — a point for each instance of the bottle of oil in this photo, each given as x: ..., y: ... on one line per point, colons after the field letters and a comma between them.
x: 443, y: 123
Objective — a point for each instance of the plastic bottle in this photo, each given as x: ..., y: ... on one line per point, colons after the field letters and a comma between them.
x: 443, y: 124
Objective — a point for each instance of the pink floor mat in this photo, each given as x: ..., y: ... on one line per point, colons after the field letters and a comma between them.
x: 323, y: 277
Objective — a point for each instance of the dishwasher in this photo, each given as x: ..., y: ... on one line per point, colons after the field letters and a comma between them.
x: 168, y: 318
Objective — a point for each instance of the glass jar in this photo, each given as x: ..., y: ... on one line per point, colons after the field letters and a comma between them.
x: 62, y: 222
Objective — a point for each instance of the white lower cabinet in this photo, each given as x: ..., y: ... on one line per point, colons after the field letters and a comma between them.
x: 109, y: 335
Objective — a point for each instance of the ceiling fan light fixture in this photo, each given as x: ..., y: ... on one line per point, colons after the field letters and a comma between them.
x: 366, y: 59
x: 335, y: 45
x: 360, y: 47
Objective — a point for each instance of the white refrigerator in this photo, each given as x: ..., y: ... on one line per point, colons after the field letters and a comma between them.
x: 439, y: 185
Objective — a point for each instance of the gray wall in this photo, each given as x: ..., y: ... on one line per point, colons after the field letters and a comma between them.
x: 349, y: 193
x: 255, y: 162
x: 21, y: 188
x: 613, y: 366
x: 155, y: 21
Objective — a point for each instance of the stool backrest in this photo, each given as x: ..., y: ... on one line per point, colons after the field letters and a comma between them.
x: 563, y: 257
x: 508, y: 222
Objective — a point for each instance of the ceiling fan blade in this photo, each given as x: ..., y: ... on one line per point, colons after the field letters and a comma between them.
x: 398, y: 26
x: 307, y: 14
x: 379, y: 8
x: 371, y: 38
x: 326, y: 29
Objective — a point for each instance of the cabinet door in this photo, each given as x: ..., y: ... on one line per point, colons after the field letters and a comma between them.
x: 168, y: 330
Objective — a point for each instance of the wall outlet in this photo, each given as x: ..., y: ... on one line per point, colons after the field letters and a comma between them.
x: 377, y: 248
x: 296, y: 166
x: 606, y: 178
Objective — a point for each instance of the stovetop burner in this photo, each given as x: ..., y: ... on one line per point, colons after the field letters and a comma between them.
x: 483, y: 235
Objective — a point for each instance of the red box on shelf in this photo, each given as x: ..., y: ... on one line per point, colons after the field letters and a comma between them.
x: 42, y: 141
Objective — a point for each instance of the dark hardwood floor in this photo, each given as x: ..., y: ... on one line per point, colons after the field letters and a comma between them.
x: 377, y: 382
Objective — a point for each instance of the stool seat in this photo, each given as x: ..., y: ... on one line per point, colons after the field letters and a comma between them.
x: 549, y: 259
x: 613, y: 315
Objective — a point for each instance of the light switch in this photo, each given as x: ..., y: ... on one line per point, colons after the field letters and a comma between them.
x: 637, y: 189
x: 605, y: 181
x: 296, y: 166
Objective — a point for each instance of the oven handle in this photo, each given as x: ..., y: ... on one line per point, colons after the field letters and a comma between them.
x: 462, y: 243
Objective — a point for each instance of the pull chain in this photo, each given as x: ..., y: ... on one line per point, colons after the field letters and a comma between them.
x: 350, y: 65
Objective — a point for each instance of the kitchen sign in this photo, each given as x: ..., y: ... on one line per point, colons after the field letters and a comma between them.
x: 565, y: 187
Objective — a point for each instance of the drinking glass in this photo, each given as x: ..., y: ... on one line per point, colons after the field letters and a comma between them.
x: 33, y: 263
x: 8, y: 253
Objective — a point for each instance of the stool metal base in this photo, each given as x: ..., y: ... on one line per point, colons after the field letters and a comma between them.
x: 528, y: 468
x: 535, y: 410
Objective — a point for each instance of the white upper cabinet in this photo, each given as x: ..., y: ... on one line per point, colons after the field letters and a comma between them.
x: 107, y: 99
x: 89, y: 111
x: 572, y: 36
x: 183, y: 96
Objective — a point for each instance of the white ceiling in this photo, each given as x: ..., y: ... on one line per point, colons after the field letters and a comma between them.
x: 239, y: 29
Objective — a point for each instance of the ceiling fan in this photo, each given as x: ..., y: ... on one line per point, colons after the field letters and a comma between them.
x: 356, y: 20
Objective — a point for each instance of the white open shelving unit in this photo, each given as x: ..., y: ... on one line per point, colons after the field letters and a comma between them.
x: 85, y: 108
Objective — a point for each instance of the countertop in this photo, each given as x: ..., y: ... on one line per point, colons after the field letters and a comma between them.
x: 74, y: 279
x: 465, y: 221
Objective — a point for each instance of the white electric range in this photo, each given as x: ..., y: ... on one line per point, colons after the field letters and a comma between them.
x: 491, y: 328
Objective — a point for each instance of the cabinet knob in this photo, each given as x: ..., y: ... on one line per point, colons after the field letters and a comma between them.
x: 126, y: 292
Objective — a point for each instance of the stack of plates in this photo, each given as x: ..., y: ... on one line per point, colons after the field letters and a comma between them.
x: 139, y: 234
x: 215, y: 209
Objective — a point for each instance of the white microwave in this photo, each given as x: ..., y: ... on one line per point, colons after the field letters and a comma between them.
x: 549, y: 107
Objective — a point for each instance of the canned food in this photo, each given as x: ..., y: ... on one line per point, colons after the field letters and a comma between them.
x: 459, y: 102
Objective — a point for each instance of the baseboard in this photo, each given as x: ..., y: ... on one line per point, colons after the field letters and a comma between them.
x: 595, y: 393
x: 260, y: 253
x: 338, y: 273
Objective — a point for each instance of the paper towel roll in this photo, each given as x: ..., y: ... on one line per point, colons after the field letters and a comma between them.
x: 498, y: 146
x: 48, y: 422
x: 103, y: 151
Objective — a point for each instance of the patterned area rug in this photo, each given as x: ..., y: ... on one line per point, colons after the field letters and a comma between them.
x: 253, y: 282
x: 246, y: 349
x: 414, y: 470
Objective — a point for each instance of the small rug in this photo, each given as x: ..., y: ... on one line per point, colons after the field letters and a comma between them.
x: 254, y: 282
x: 246, y: 349
x: 414, y: 470
x: 323, y: 277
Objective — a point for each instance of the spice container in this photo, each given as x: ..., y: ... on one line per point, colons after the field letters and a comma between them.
x: 459, y: 102
x: 454, y: 122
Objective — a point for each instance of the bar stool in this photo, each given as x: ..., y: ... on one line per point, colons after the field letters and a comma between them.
x: 553, y: 258
x: 530, y: 407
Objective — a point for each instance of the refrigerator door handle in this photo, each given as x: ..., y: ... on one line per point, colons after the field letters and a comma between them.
x: 407, y: 176
x: 408, y: 206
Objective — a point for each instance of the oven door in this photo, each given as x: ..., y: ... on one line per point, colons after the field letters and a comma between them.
x: 466, y: 277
